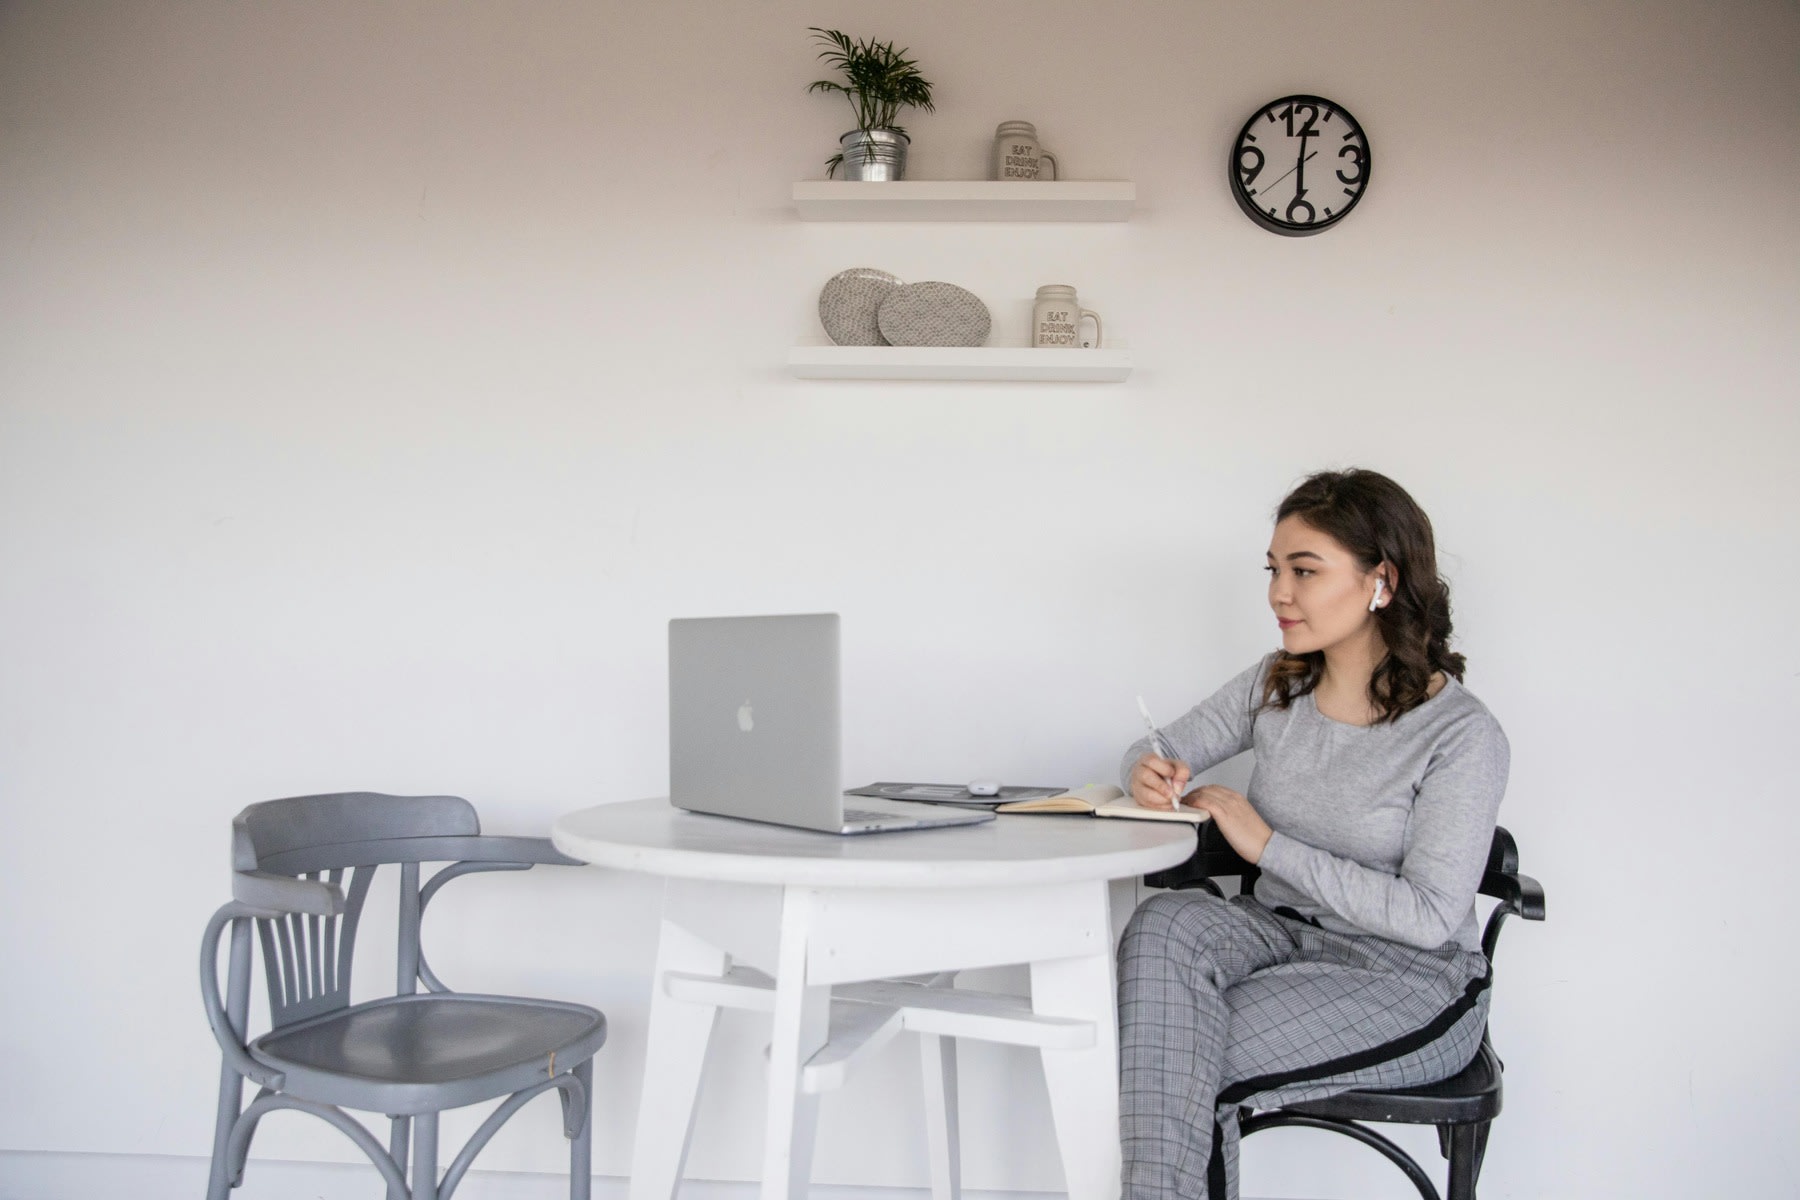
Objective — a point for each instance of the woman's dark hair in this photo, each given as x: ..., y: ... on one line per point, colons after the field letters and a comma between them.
x: 1373, y: 518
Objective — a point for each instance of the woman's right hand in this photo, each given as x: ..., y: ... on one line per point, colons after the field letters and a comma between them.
x: 1156, y: 782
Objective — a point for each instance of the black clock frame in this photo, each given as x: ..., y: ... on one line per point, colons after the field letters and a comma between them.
x: 1275, y: 224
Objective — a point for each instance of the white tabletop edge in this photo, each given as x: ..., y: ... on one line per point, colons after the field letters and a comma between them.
x: 653, y: 837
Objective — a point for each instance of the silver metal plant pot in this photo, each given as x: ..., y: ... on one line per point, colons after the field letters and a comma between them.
x: 874, y: 155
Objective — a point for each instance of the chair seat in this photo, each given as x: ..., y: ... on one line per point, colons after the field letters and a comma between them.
x: 404, y: 1055
x: 1471, y: 1095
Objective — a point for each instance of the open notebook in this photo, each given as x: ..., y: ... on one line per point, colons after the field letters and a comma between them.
x: 1102, y: 800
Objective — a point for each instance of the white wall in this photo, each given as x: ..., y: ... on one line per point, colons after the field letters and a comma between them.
x: 376, y: 380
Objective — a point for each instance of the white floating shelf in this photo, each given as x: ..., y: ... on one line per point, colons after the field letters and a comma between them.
x: 974, y: 364
x: 964, y: 200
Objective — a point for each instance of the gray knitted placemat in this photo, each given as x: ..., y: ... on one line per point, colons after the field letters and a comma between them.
x: 849, y: 302
x: 934, y: 314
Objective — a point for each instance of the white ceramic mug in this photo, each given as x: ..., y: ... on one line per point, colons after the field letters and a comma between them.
x: 1017, y: 154
x: 1056, y: 319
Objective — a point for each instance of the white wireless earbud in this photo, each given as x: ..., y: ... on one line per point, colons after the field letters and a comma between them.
x: 1375, y: 602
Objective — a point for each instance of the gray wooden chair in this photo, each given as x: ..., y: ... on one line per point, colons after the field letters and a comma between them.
x: 301, y: 869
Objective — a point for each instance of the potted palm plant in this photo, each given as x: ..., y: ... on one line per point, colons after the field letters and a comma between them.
x: 878, y: 81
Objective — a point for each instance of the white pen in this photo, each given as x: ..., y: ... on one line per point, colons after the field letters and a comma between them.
x: 1161, y: 747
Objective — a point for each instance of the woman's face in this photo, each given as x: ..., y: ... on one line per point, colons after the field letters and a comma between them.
x: 1319, y: 594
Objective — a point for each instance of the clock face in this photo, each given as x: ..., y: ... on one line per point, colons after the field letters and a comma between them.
x: 1300, y: 165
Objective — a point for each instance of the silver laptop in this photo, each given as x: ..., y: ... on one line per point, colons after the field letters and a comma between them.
x: 754, y: 725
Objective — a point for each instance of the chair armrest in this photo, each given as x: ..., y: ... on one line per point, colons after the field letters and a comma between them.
x: 1529, y: 896
x: 479, y: 854
x: 475, y: 854
x: 1519, y: 895
x: 438, y: 848
x: 526, y: 851
x: 1522, y: 894
x: 227, y: 1026
x: 272, y: 895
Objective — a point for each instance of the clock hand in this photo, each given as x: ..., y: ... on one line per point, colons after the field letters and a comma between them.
x: 1265, y: 187
x: 1300, y: 168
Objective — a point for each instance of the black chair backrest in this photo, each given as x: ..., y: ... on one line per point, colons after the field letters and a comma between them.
x: 1519, y: 895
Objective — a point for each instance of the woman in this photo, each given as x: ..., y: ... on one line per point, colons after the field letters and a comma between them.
x: 1370, y: 812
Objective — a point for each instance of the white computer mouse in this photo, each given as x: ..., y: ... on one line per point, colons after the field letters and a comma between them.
x: 984, y: 787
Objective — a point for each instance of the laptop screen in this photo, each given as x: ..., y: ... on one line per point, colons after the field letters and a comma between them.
x: 754, y: 718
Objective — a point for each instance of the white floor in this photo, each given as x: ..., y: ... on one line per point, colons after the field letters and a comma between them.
x: 32, y: 1176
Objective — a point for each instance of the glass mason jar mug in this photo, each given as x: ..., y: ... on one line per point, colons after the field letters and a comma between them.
x: 1056, y: 319
x: 1017, y: 153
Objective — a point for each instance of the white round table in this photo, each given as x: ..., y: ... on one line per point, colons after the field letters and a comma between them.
x: 850, y: 941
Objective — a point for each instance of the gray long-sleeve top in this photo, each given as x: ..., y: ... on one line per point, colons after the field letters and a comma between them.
x: 1380, y: 829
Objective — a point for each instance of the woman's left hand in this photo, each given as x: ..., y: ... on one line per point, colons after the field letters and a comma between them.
x: 1241, y: 824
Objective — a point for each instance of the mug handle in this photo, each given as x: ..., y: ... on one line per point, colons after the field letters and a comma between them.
x: 1088, y: 312
x: 1055, y: 171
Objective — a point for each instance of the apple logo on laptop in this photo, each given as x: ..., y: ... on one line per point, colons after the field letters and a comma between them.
x: 746, y: 721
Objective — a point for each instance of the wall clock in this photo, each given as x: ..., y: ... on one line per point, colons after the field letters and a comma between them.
x: 1300, y: 165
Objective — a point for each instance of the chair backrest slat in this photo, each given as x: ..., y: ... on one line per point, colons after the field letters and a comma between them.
x: 360, y: 879
x: 265, y: 933
x: 290, y: 976
x: 315, y: 953
x: 293, y: 970
x: 328, y: 959
x: 306, y: 966
x: 406, y: 959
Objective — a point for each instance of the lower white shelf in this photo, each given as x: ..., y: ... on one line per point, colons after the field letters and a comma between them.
x: 974, y: 364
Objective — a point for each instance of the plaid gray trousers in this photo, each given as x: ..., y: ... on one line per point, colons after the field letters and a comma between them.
x: 1224, y: 1004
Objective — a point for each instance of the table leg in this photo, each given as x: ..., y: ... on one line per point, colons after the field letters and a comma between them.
x: 801, y: 1025
x: 1083, y: 1084
x: 673, y: 1062
x: 943, y: 1138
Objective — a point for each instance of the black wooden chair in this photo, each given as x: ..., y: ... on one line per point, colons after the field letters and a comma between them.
x: 1461, y: 1107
